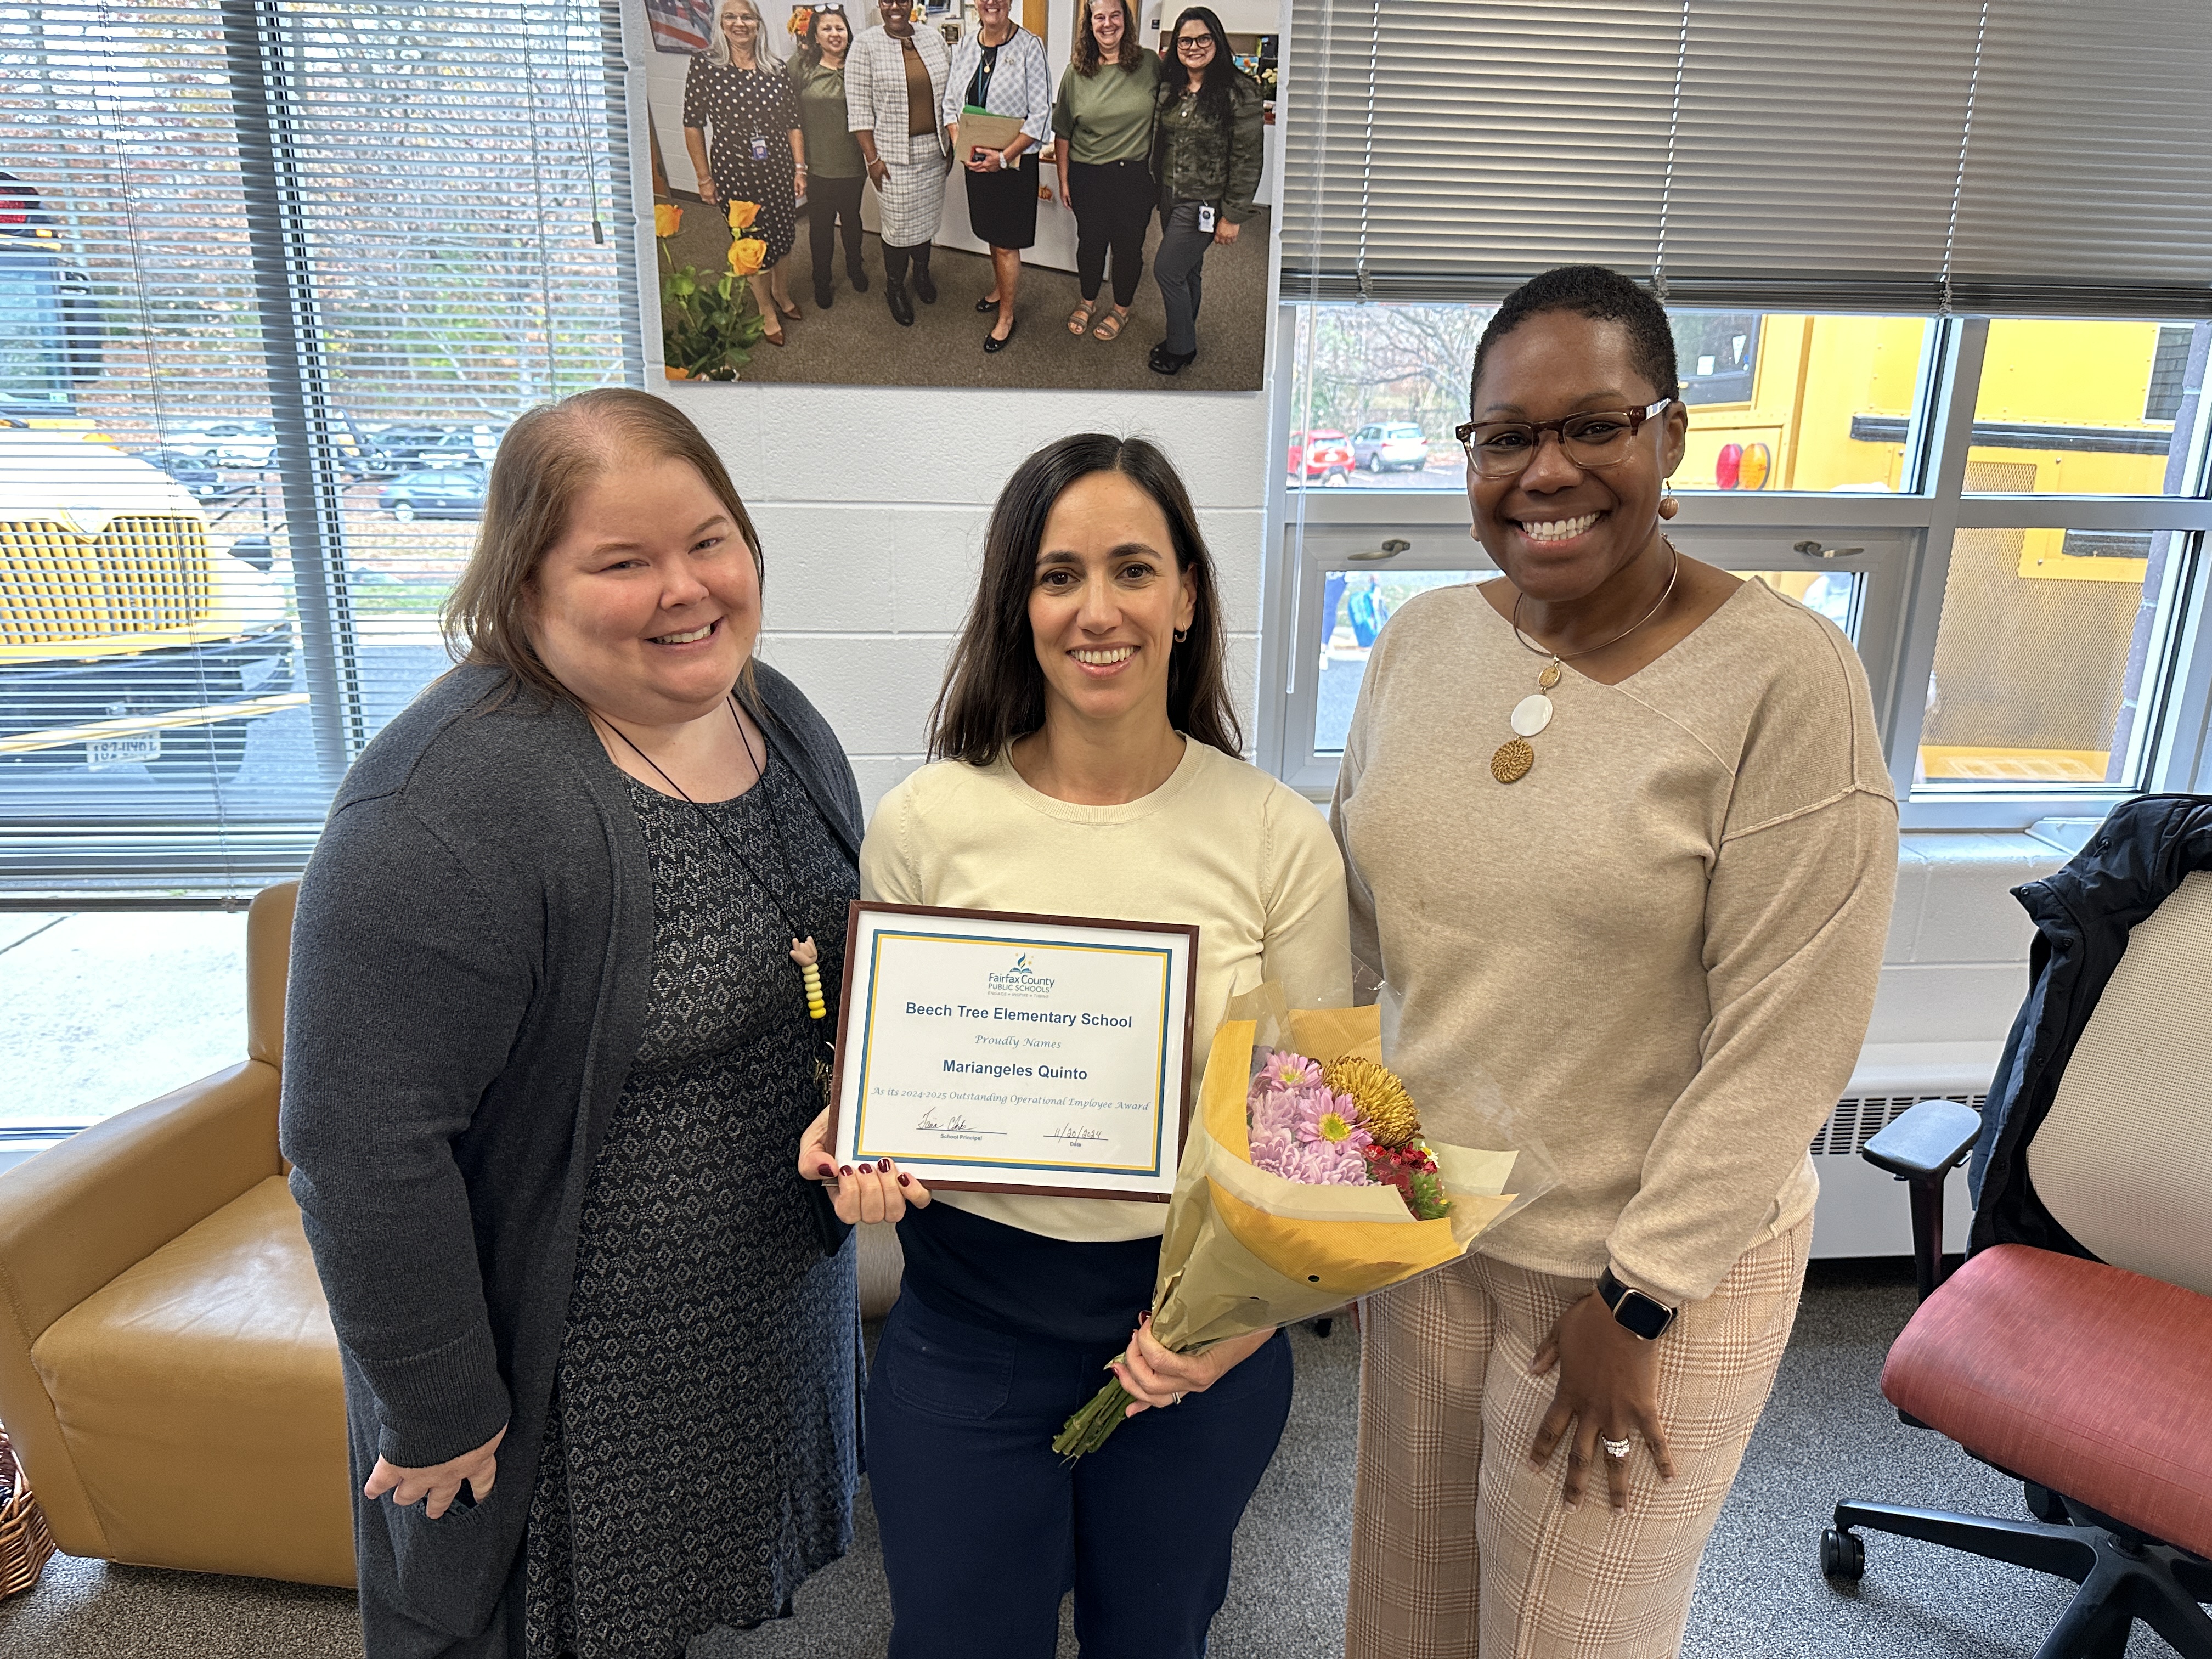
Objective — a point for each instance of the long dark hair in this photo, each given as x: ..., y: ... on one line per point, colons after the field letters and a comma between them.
x: 993, y: 689
x: 1220, y: 70
x: 1086, y: 59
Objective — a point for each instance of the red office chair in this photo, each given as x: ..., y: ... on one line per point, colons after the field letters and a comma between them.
x: 2088, y: 1377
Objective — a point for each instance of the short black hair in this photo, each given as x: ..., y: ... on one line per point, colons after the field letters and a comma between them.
x: 1602, y: 295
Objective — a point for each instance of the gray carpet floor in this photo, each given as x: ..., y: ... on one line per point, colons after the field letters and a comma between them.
x: 857, y: 342
x: 1828, y: 1434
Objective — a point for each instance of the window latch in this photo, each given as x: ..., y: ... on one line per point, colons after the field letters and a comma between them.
x: 1814, y: 551
x: 1389, y: 549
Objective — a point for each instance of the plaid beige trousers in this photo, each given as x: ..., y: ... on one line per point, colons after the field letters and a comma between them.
x: 1450, y: 1546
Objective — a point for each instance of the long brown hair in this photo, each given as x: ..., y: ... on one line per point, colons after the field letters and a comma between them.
x: 993, y: 689
x: 1086, y: 58
x: 545, y: 461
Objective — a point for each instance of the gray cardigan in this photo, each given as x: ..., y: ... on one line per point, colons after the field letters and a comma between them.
x: 470, y: 970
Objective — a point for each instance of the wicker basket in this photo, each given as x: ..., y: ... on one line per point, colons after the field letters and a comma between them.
x: 24, y: 1544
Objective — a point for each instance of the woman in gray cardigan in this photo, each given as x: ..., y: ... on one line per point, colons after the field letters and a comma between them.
x: 547, y: 1048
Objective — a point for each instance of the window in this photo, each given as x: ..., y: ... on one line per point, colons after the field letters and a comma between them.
x: 1940, y: 294
x: 246, y: 246
x: 2029, y: 649
x: 1778, y: 401
x: 2169, y: 368
x: 2057, y: 410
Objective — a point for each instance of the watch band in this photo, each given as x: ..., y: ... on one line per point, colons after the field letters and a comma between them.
x: 1633, y: 1311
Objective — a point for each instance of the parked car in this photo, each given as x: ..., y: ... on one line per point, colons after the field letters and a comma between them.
x: 1323, y: 455
x: 1383, y: 447
x: 191, y: 469
x: 251, y: 445
x: 436, y: 493
x: 426, y: 445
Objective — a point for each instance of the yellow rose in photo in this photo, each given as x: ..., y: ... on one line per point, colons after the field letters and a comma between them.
x: 667, y: 218
x: 742, y: 214
x: 746, y: 254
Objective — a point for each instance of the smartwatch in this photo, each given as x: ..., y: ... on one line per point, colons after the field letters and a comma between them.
x: 1633, y: 1311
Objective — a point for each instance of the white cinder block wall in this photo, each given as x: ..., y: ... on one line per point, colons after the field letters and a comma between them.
x: 872, y: 502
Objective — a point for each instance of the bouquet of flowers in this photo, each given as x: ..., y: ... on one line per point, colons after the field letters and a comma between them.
x: 709, y: 324
x: 1308, y: 1181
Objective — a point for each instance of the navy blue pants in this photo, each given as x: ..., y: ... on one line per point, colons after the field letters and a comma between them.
x: 985, y: 1527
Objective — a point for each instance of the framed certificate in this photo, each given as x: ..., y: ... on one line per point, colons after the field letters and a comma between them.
x: 992, y: 1052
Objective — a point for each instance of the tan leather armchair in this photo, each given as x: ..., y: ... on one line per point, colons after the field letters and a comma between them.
x: 167, y: 1369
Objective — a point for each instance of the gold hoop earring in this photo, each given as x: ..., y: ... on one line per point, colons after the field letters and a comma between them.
x: 1180, y: 634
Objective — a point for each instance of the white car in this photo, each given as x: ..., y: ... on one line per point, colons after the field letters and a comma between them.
x: 248, y: 444
x: 1382, y: 447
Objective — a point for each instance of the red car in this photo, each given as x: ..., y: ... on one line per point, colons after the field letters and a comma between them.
x: 1322, y: 455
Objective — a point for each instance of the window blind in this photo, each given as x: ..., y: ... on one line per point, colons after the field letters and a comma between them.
x: 2014, y: 157
x: 277, y: 274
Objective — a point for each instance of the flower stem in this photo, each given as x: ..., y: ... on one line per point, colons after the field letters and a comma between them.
x: 1087, y: 1430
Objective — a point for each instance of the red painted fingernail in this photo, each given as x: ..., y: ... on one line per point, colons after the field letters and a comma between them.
x: 846, y: 1171
x: 906, y: 1181
x: 882, y: 1166
x: 827, y: 1170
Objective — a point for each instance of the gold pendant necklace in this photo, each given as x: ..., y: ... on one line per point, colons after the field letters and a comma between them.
x: 1515, y: 756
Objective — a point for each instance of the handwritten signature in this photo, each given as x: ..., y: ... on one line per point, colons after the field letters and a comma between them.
x: 959, y: 1126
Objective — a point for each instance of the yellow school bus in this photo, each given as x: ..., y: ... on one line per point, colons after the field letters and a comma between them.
x: 2032, y: 668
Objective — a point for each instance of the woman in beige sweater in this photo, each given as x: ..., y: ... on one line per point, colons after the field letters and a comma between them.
x: 1621, y: 844
x: 1089, y: 766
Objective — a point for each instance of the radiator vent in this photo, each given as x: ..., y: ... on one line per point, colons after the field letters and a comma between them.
x: 1858, y: 1119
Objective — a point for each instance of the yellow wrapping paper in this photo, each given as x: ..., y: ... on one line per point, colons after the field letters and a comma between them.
x: 1245, y: 1250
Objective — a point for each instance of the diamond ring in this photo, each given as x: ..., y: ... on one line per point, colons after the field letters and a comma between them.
x: 1613, y: 1447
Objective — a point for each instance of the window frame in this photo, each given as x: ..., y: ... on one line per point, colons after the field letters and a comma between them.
x: 1909, y: 537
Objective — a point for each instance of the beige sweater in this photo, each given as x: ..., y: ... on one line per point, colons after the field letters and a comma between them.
x: 1661, y: 945
x: 1220, y: 844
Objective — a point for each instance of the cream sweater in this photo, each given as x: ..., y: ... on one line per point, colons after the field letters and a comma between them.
x: 1220, y: 844
x: 1661, y: 945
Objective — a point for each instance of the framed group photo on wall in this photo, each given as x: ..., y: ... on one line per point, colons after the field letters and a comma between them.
x: 998, y: 1052
x: 1056, y: 194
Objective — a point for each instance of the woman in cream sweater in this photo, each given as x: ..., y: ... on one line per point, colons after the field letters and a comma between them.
x: 1621, y: 843
x: 1090, y: 767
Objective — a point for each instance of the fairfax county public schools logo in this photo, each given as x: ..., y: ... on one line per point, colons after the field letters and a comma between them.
x: 1019, y: 981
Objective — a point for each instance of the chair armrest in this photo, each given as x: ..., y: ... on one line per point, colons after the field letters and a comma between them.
x: 76, y: 1217
x: 1928, y: 1141
x: 106, y: 1199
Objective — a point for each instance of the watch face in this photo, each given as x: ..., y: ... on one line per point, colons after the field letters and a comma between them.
x: 1640, y: 1315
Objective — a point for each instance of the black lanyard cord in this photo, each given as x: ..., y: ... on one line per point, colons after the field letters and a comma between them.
x: 760, y: 780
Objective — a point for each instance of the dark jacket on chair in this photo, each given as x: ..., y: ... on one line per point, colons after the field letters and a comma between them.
x: 470, y: 970
x: 2083, y: 913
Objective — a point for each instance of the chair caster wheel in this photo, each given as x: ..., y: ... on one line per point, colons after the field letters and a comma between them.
x: 1842, y: 1555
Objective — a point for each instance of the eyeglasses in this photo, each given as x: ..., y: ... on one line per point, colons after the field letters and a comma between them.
x: 1503, y: 449
x: 1194, y: 42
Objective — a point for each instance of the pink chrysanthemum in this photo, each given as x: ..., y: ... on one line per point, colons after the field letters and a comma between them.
x: 1332, y: 1118
x: 1286, y: 1070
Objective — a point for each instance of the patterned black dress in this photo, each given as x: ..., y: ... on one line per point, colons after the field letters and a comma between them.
x: 750, y: 114
x: 703, y: 1448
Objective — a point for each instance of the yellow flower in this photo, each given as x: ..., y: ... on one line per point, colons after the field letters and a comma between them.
x: 746, y: 254
x: 1381, y: 1097
x: 742, y: 214
x: 667, y: 218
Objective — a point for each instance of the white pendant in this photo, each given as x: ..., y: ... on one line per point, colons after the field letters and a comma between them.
x: 1532, y: 714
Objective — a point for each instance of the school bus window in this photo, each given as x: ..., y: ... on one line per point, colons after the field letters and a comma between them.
x: 2073, y: 408
x: 1784, y: 401
x: 2047, y: 650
